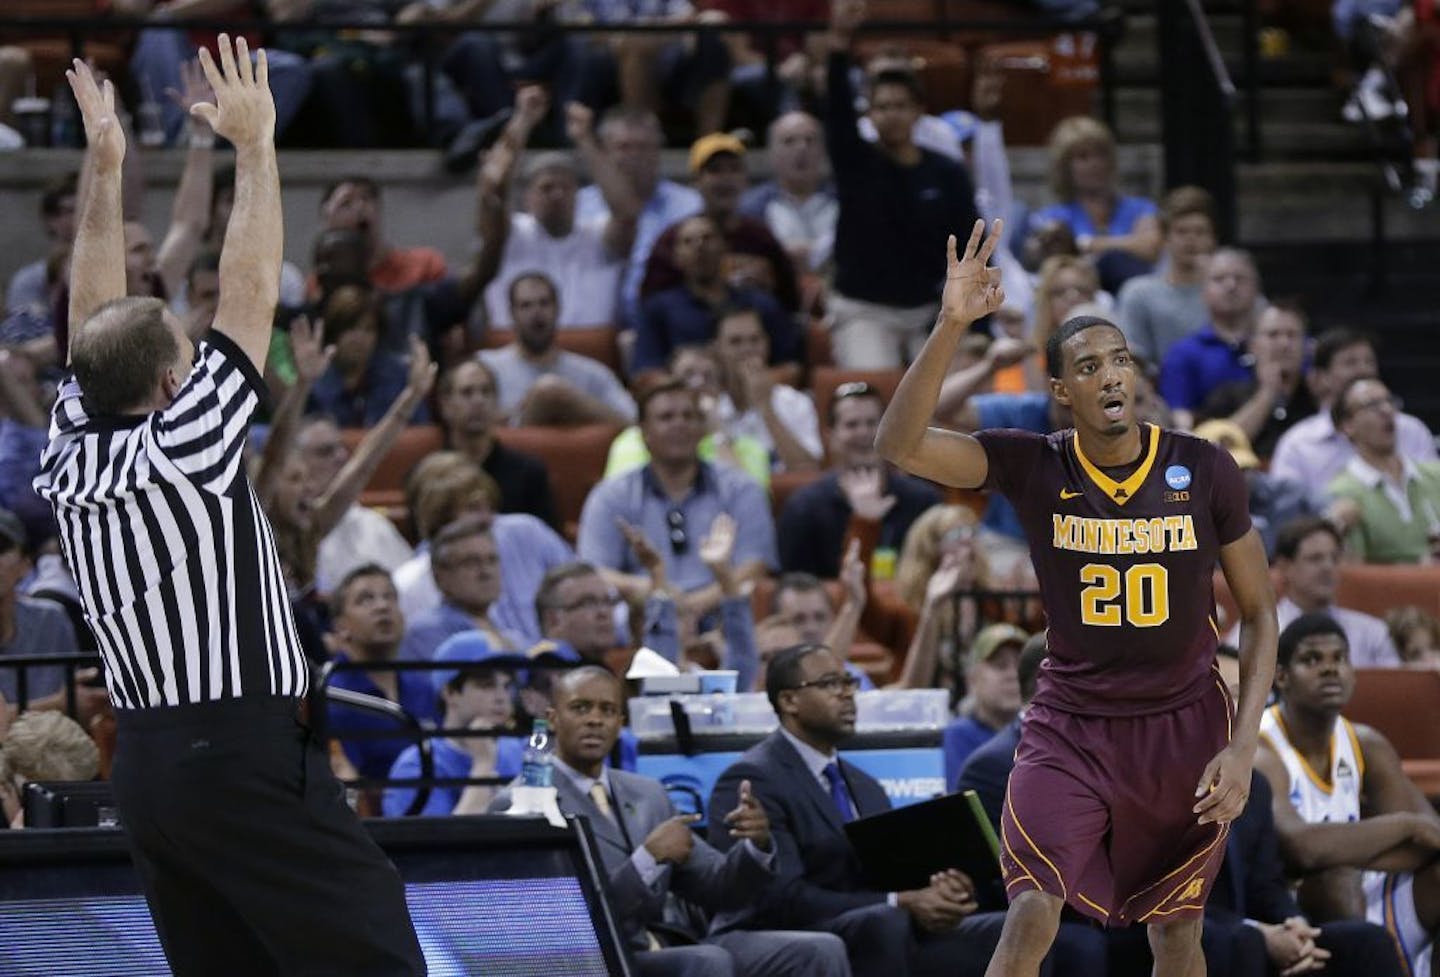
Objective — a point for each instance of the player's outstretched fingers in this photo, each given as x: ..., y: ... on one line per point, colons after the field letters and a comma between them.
x: 950, y: 258
x: 988, y: 248
x: 227, y: 59
x: 212, y: 71
x: 973, y: 245
x: 262, y: 70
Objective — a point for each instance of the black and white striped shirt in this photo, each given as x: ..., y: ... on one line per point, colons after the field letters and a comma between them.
x: 174, y: 559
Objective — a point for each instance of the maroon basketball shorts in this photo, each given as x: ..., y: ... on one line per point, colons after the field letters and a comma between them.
x: 1099, y: 810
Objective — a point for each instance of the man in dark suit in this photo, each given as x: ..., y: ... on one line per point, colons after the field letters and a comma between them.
x: 809, y: 792
x: 651, y: 854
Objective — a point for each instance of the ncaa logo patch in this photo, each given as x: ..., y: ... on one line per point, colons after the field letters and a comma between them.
x: 1177, y: 477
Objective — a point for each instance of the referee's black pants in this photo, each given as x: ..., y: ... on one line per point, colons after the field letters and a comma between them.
x: 251, y: 860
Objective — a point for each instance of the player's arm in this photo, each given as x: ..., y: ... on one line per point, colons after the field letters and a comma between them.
x: 906, y: 437
x: 1225, y: 783
x: 97, y: 261
x: 244, y: 113
x: 1387, y: 842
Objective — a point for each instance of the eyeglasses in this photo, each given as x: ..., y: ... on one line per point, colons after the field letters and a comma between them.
x: 471, y: 564
x: 679, y: 538
x: 832, y: 684
x: 589, y: 604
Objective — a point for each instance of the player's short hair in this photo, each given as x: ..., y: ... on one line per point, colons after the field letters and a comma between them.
x: 784, y: 671
x: 546, y: 595
x: 1055, y: 345
x: 1334, y: 341
x: 44, y: 744
x: 797, y: 581
x: 899, y: 77
x: 1294, y: 533
x: 1306, y: 626
x: 121, y: 352
x: 532, y: 276
x: 340, y: 596
x: 1188, y: 201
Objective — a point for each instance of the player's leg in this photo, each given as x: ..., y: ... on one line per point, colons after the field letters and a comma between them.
x: 1031, y: 923
x: 1176, y: 948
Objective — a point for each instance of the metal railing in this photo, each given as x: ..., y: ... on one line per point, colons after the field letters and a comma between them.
x: 1197, y: 108
x: 1107, y: 26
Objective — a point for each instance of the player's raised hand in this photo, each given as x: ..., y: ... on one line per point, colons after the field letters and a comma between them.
x: 1225, y: 785
x: 972, y: 288
x: 96, y: 100
x: 244, y: 111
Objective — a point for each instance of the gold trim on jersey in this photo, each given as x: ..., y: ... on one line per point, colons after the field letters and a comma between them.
x: 1355, y: 745
x: 1315, y: 778
x: 1120, y: 492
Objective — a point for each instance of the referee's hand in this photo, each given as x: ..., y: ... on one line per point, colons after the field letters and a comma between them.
x: 244, y: 112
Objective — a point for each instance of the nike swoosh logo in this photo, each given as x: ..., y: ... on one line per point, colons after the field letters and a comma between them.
x: 1067, y: 494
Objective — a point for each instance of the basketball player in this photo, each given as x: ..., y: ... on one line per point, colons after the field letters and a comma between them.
x: 1342, y: 800
x: 1132, y: 761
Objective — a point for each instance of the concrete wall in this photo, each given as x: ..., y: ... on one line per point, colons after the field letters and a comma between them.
x: 423, y: 203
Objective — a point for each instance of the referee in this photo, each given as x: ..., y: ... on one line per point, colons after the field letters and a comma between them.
x: 251, y: 861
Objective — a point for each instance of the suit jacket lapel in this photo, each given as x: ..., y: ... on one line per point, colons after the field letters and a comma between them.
x: 818, y: 796
x: 574, y: 802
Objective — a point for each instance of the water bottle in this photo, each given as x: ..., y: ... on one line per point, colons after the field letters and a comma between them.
x: 538, y: 768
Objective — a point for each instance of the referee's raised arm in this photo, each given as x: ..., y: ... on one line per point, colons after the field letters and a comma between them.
x: 97, y: 260
x: 244, y: 113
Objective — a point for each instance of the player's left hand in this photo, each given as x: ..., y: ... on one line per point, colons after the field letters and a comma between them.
x: 1225, y: 785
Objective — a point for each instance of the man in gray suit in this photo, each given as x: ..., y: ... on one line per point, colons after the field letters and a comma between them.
x: 624, y: 808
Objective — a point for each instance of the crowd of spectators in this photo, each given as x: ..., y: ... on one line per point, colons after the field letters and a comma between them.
x: 422, y: 466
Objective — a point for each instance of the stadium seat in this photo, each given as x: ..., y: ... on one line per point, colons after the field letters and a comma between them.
x: 387, y: 486
x: 51, y: 53
x: 575, y: 458
x: 877, y: 660
x: 1377, y: 589
x: 597, y: 342
x: 1046, y: 80
x: 1404, y: 705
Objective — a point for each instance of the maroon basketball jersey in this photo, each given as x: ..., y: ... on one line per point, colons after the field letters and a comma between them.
x: 1124, y: 566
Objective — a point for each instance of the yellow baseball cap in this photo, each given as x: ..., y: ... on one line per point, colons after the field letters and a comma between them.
x: 1228, y: 435
x: 707, y: 147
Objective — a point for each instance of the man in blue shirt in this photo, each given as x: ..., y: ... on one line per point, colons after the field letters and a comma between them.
x: 688, y: 314
x: 474, y: 694
x: 672, y: 501
x: 992, y: 697
x: 631, y: 138
x: 1218, y: 353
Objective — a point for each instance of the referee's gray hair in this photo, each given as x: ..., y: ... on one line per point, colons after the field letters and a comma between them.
x: 120, y: 352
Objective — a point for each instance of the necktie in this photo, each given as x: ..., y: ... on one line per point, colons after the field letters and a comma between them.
x: 601, y: 799
x: 839, y: 792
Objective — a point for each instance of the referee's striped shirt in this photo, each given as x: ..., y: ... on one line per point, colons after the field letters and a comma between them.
x: 174, y: 559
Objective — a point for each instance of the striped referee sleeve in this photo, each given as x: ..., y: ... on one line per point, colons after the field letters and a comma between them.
x: 204, y: 429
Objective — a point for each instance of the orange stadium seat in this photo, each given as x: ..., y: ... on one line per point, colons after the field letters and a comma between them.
x: 877, y: 660
x: 575, y: 458
x: 51, y: 53
x: 1046, y: 80
x: 1377, y: 589
x: 1404, y: 705
x: 387, y: 485
x: 597, y: 342
x: 785, y: 484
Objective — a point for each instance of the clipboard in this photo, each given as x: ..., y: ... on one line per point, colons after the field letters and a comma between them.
x: 901, y: 849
